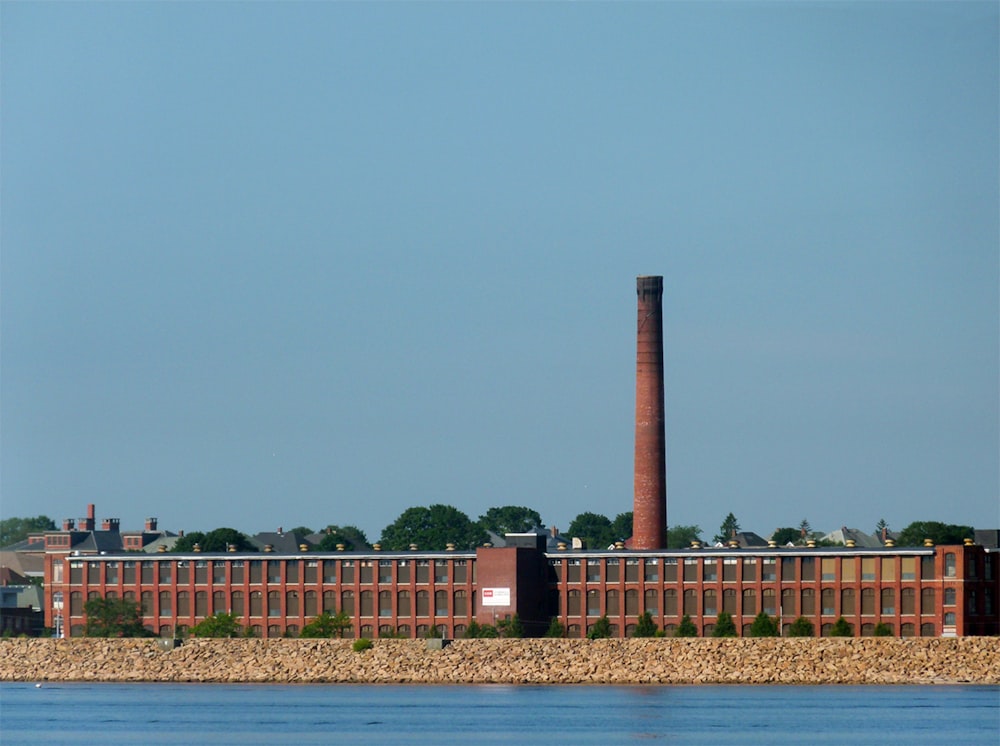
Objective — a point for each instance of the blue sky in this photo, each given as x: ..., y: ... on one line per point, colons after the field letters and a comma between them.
x: 277, y: 264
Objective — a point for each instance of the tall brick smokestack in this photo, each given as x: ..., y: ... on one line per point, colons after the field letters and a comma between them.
x: 649, y: 519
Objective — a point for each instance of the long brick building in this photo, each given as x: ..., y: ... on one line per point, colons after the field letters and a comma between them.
x: 916, y: 591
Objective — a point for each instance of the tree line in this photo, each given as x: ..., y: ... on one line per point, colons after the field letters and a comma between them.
x: 436, y: 526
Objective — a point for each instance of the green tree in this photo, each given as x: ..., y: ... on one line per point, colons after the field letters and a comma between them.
x: 805, y: 530
x: 510, y: 519
x: 13, y: 530
x: 595, y: 530
x: 727, y: 530
x: 724, y: 625
x: 185, y: 543
x: 621, y: 526
x: 680, y: 537
x: 764, y: 626
x: 784, y: 536
x: 940, y: 533
x: 352, y: 537
x: 880, y: 527
x: 220, y: 624
x: 600, y: 629
x: 883, y: 630
x: 217, y: 540
x: 645, y: 627
x: 511, y: 627
x: 801, y: 627
x: 433, y: 528
x: 686, y: 628
x: 327, y: 625
x: 113, y: 617
x: 841, y: 628
x: 556, y: 628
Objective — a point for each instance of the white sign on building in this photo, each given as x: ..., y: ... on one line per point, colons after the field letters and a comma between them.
x: 496, y: 596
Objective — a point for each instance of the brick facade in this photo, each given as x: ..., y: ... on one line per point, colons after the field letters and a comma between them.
x: 925, y: 591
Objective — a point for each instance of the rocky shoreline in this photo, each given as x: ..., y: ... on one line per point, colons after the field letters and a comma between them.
x: 968, y: 660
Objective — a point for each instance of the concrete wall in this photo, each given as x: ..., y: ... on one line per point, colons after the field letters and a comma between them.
x: 615, y: 661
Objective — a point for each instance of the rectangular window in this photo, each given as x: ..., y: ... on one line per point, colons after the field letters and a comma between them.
x: 329, y: 571
x: 461, y: 570
x: 292, y: 571
x: 367, y: 573
x: 611, y: 570
x: 593, y: 571
x: 909, y: 568
x: 183, y: 572
x: 769, y: 572
x: 347, y: 572
x: 200, y: 572
x: 440, y: 571
x: 927, y: 568
x: 556, y: 569
x: 423, y: 571
x: 888, y: 569
x: 749, y: 570
x: 94, y: 573
x: 385, y: 571
x: 573, y: 571
x: 111, y: 573
x: 828, y: 568
x: 867, y: 569
x: 670, y: 570
x: 690, y: 570
x: 632, y: 571
x: 808, y: 569
x: 128, y: 572
x: 710, y: 570
x: 273, y: 571
x: 652, y: 569
x: 219, y: 572
x: 403, y: 571
x: 730, y: 568
x: 256, y: 573
x: 848, y: 569
x: 146, y: 573
x: 787, y: 569
x: 312, y: 572
x: 237, y: 568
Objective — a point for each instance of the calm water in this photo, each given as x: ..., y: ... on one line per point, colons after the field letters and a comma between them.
x: 313, y: 714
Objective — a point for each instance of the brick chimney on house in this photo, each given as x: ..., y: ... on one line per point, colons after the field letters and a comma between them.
x: 649, y: 519
x: 150, y: 525
x: 110, y: 524
x: 90, y: 522
x: 69, y: 524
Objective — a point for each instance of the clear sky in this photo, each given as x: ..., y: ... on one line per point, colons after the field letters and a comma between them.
x: 277, y: 264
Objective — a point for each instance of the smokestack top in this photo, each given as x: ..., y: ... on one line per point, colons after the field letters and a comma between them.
x: 649, y: 285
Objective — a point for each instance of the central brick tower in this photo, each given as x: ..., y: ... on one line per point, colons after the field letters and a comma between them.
x: 649, y: 518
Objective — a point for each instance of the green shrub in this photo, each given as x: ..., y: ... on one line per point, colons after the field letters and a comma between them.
x: 556, y: 628
x: 600, y: 629
x: 362, y: 643
x: 724, y: 625
x: 883, y: 630
x: 764, y: 626
x: 511, y: 627
x: 646, y: 627
x: 801, y: 627
x: 841, y: 628
x: 686, y: 628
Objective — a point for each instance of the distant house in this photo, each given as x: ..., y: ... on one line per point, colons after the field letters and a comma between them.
x: 859, y: 538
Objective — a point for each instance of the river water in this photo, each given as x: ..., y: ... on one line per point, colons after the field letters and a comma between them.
x: 56, y: 713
